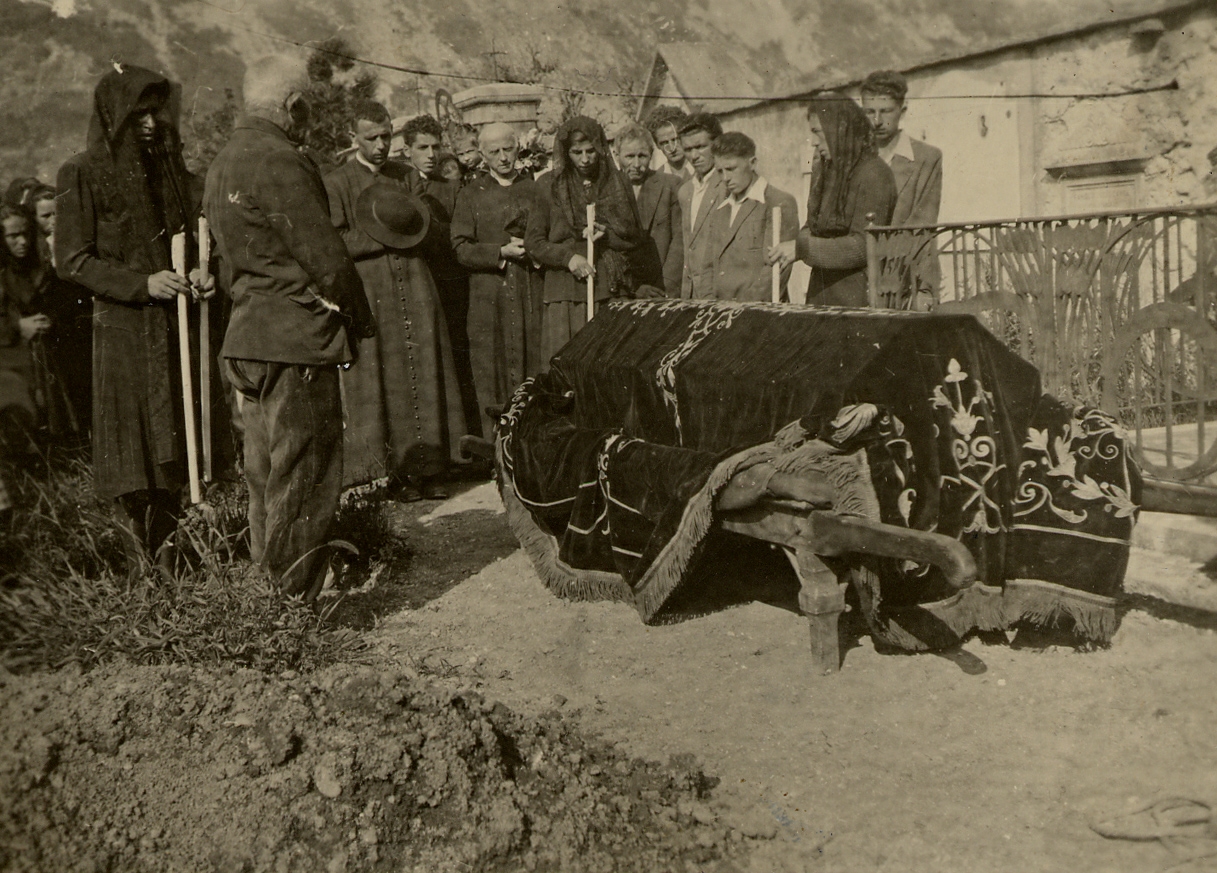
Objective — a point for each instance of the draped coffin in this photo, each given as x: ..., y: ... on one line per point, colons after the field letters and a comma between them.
x: 611, y: 460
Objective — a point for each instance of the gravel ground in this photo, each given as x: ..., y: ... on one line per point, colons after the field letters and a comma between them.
x: 990, y: 757
x: 498, y: 728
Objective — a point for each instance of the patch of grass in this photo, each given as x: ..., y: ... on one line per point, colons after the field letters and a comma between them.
x: 68, y: 596
x: 365, y: 521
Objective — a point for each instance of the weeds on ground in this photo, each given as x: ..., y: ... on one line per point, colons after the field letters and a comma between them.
x: 68, y: 595
x: 364, y: 520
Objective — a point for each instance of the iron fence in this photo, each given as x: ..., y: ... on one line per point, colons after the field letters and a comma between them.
x: 1117, y: 310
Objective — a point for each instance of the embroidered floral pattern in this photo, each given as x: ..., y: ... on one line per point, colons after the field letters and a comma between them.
x: 973, y: 451
x: 900, y: 451
x: 1091, y: 436
x: 511, y: 417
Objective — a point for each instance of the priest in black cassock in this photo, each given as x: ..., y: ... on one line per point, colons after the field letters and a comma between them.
x: 402, y: 402
x: 504, y: 287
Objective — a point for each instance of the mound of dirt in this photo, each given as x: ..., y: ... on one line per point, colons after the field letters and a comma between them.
x: 353, y: 768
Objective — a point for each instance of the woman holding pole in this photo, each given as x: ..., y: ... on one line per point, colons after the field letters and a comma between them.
x: 580, y: 230
x: 121, y: 202
x: 851, y: 187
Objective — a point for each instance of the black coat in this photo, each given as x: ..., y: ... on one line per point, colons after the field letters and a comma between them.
x: 117, y: 211
x: 296, y: 296
x: 660, y: 260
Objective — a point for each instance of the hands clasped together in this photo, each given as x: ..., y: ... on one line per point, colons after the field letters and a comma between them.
x: 513, y: 251
x: 33, y: 325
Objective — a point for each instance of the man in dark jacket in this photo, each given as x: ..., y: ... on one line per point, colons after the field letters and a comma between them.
x: 917, y: 169
x: 699, y: 195
x: 741, y: 227
x: 298, y: 312
x: 120, y: 203
x: 660, y: 260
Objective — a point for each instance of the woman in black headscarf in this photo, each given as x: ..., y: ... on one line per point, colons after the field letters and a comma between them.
x: 851, y: 187
x: 30, y: 318
x: 121, y: 202
x: 583, y: 173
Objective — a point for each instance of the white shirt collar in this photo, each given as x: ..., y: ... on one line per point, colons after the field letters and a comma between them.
x: 505, y: 181
x: 701, y: 186
x: 375, y: 169
x: 902, y: 145
x: 756, y: 191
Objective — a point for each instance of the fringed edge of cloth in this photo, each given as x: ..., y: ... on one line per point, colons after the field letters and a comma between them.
x: 1045, y: 603
x: 668, y: 568
x: 853, y: 495
x: 849, y: 475
x: 542, y: 549
x: 987, y: 607
x: 980, y: 606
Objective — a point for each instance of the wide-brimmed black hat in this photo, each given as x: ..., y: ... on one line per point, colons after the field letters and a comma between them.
x: 392, y: 216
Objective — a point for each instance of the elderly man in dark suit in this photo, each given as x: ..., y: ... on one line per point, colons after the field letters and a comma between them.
x: 740, y: 228
x: 659, y: 261
x: 505, y: 289
x: 298, y: 312
x: 699, y: 195
x: 916, y: 165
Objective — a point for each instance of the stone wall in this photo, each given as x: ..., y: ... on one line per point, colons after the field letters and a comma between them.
x: 1007, y: 155
x: 1162, y: 139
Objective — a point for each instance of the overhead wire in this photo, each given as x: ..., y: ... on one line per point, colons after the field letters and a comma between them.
x: 1172, y: 85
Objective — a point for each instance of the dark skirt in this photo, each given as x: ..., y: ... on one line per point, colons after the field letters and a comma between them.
x: 504, y: 337
x: 561, y: 320
x: 837, y: 288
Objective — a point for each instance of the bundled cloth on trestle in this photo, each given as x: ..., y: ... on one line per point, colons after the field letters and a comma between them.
x: 611, y: 461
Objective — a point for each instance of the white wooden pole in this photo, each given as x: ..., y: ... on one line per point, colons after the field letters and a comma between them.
x: 591, y: 259
x: 205, y: 345
x: 777, y: 265
x: 183, y: 341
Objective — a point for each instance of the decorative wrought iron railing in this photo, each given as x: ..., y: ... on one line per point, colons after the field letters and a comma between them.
x: 1117, y: 310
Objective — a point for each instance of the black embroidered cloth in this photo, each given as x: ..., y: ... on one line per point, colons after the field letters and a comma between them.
x: 610, y: 461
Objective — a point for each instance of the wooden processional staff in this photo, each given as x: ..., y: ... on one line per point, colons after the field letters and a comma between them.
x: 591, y: 259
x: 205, y: 344
x: 183, y: 342
x: 776, y: 290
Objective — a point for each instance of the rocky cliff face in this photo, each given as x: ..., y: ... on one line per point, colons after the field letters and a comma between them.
x: 54, y: 51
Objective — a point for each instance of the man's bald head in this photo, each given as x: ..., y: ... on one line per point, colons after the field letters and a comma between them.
x: 273, y: 85
x: 497, y: 131
x: 500, y: 148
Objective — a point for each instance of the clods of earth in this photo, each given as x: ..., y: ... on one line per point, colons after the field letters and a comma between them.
x: 174, y: 768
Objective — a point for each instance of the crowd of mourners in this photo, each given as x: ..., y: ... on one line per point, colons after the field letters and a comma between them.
x: 369, y: 317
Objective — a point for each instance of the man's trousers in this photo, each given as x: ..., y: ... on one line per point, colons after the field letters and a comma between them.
x: 293, y: 464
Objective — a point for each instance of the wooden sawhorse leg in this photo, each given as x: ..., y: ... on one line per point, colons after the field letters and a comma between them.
x: 805, y: 533
x: 822, y: 599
